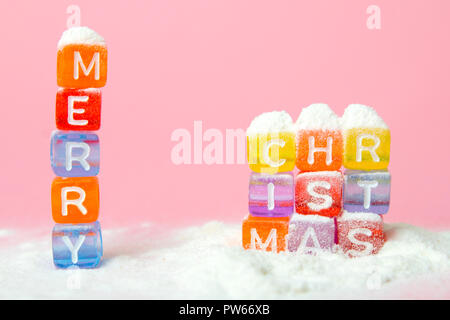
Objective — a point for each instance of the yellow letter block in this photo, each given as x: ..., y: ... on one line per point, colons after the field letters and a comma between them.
x: 366, y: 148
x: 272, y: 152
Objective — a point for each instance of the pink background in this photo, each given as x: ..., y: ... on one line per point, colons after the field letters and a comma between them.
x: 223, y: 62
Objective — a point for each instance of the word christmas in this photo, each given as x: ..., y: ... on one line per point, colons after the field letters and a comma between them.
x: 335, y: 209
x: 75, y: 149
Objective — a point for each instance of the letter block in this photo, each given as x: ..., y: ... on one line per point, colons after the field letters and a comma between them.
x: 319, y: 193
x: 77, y: 245
x: 367, y: 191
x: 78, y: 109
x: 81, y: 59
x: 311, y: 234
x: 75, y: 200
x: 360, y: 234
x: 75, y: 154
x: 319, y: 150
x: 271, y: 195
x: 262, y: 233
x: 271, y: 153
x: 366, y: 148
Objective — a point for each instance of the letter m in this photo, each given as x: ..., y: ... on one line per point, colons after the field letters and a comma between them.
x: 271, y: 240
x: 78, y: 62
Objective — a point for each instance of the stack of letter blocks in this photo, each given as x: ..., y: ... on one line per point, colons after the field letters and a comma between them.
x: 336, y: 209
x: 75, y: 149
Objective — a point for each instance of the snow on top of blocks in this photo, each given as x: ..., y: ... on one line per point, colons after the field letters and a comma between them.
x: 80, y: 35
x: 268, y: 122
x: 318, y: 116
x: 365, y: 216
x: 361, y: 116
x: 378, y: 173
x: 320, y: 173
x: 312, y: 218
x: 84, y: 89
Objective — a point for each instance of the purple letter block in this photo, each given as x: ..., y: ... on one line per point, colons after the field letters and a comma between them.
x: 75, y: 153
x: 367, y: 191
x: 271, y: 195
x: 311, y: 233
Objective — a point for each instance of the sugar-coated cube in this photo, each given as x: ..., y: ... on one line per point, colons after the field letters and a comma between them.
x: 271, y: 143
x: 319, y: 150
x: 262, y: 233
x: 81, y: 59
x: 78, y: 109
x: 75, y: 200
x: 319, y: 193
x: 75, y: 153
x: 360, y: 233
x: 271, y: 195
x: 77, y: 245
x: 319, y: 139
x: 367, y: 191
x: 311, y: 234
x: 367, y: 139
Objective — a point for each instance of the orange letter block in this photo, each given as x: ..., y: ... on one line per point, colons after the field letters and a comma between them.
x: 319, y: 150
x: 261, y: 233
x: 82, y: 59
x: 319, y: 139
x: 75, y: 200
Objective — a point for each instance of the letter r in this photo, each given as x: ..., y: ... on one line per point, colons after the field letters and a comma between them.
x: 76, y: 202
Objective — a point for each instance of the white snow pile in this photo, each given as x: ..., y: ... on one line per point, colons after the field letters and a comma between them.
x: 207, y: 262
x: 318, y: 116
x: 80, y: 35
x: 361, y: 116
x: 275, y: 121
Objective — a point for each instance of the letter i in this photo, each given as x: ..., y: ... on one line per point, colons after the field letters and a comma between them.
x: 75, y: 153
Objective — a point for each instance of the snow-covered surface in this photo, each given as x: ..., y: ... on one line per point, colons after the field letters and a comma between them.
x: 312, y: 218
x: 268, y: 122
x: 318, y: 116
x: 208, y: 262
x: 80, y: 35
x: 364, y: 216
x: 361, y: 116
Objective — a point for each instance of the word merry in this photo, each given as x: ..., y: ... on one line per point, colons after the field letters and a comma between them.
x: 75, y: 149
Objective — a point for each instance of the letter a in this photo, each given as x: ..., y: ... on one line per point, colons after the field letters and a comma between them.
x: 374, y: 20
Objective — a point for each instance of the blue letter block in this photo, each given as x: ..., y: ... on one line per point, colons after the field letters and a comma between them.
x: 75, y: 154
x: 367, y: 191
x: 77, y: 245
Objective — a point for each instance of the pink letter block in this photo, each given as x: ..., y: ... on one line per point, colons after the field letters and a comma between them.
x: 360, y: 234
x: 311, y: 233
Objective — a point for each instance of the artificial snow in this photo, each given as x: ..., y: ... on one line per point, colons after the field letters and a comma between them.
x: 320, y: 174
x: 361, y: 116
x: 318, y: 116
x: 312, y: 218
x: 80, y: 35
x: 364, y: 216
x: 275, y: 121
x: 207, y: 262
